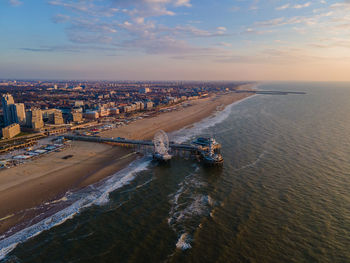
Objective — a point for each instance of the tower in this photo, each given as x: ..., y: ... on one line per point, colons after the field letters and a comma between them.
x: 20, y: 114
x: 34, y: 119
x: 9, y: 112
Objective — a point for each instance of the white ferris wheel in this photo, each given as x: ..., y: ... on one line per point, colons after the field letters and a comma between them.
x: 161, y: 143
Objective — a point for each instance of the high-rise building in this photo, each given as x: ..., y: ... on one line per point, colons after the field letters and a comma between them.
x: 12, y: 114
x: 35, y: 119
x: 149, y: 105
x: 20, y: 114
x: 57, y: 117
x: 7, y: 101
x: 77, y: 116
x: 53, y: 116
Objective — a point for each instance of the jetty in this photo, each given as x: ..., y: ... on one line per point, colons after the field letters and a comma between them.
x: 271, y: 92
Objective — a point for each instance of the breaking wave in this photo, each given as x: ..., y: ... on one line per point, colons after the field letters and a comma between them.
x: 188, y: 205
x: 197, y: 128
x: 255, y: 162
x: 97, y: 194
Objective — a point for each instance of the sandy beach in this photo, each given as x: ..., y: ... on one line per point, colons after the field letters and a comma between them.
x: 50, y: 176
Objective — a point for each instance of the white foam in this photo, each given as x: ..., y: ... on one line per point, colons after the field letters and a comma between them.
x: 187, y: 206
x: 93, y: 195
x: 183, y: 242
x: 187, y: 133
x: 64, y: 198
x: 144, y: 184
x: 252, y: 164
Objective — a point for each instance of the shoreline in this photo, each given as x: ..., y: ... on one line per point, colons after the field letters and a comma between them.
x: 51, y: 176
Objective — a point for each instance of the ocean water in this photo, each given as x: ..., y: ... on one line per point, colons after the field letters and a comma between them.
x: 282, y: 195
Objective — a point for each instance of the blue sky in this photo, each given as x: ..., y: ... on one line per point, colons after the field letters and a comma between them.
x: 175, y: 39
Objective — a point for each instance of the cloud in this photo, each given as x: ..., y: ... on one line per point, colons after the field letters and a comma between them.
x: 225, y: 44
x: 81, y: 6
x: 332, y: 42
x: 60, y: 18
x: 264, y: 56
x: 68, y: 48
x: 254, y: 5
x: 341, y: 6
x: 83, y: 30
x: 191, y: 31
x: 135, y: 27
x: 297, y: 6
x: 283, y: 7
x: 235, y: 8
x: 271, y: 22
x: 252, y: 31
x: 15, y: 2
x: 149, y: 8
x: 183, y: 3
x: 86, y: 7
x: 164, y: 45
x: 277, y: 56
x: 282, y: 21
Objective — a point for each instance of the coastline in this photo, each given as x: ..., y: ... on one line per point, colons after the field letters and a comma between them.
x: 50, y: 177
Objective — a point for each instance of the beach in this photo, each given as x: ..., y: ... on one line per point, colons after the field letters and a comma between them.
x: 50, y: 177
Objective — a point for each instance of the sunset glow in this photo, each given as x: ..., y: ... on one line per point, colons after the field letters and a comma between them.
x: 175, y: 39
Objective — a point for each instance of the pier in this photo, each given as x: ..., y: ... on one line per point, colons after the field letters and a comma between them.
x: 163, y: 150
x: 271, y: 92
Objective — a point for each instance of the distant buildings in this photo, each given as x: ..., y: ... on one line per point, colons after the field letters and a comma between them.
x: 103, y: 112
x: 114, y: 111
x: 77, y: 116
x: 11, y: 131
x: 78, y: 103
x: 145, y: 90
x: 57, y: 117
x: 139, y: 105
x: 53, y: 116
x: 91, y: 115
x: 149, y: 105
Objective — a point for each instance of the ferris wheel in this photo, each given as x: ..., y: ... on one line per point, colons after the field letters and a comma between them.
x: 161, y: 142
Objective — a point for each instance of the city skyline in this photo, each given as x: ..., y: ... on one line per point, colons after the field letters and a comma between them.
x: 175, y: 40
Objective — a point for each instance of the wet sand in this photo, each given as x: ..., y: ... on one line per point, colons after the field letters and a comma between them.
x: 50, y: 176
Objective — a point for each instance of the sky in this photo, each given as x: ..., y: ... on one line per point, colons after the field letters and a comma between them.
x: 239, y: 40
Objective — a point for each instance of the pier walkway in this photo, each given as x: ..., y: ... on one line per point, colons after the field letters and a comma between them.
x: 172, y: 145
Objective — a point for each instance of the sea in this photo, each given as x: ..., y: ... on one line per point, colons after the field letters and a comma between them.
x: 282, y: 194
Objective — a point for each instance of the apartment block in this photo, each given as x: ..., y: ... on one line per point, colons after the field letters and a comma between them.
x: 11, y: 131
